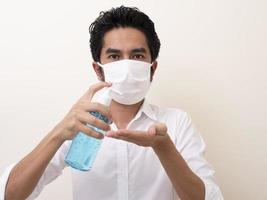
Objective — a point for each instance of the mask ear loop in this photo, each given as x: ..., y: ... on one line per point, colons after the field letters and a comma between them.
x: 102, y: 69
x: 99, y: 64
x: 152, y: 72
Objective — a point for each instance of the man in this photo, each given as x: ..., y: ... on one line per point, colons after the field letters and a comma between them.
x: 148, y: 153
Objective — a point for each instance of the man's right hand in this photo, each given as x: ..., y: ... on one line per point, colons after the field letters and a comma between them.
x: 26, y: 174
x: 77, y: 118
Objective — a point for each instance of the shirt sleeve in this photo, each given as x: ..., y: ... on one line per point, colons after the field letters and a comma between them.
x: 192, y: 147
x: 52, y: 171
x: 3, y: 181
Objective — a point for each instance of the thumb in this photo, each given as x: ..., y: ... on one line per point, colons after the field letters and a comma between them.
x: 93, y: 89
x: 160, y: 128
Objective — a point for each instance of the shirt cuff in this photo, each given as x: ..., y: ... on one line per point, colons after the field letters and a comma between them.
x: 3, y: 180
x: 212, y: 192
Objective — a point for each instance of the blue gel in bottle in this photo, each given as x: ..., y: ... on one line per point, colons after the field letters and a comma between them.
x: 83, y: 149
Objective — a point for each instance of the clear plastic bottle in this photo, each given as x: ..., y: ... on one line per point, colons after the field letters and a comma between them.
x: 83, y: 149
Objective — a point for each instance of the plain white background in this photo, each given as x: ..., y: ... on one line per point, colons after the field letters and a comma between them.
x: 212, y: 64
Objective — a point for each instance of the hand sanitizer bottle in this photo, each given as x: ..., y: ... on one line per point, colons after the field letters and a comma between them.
x: 83, y: 149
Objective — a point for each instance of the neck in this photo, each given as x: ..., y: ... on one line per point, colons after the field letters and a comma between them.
x: 123, y: 114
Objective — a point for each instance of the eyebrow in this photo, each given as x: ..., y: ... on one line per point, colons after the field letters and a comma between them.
x: 111, y: 50
x: 136, y: 50
x: 139, y: 50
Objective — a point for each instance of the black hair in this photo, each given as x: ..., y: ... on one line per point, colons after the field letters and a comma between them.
x: 122, y: 17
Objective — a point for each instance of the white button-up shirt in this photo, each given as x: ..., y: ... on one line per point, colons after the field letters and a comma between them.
x: 125, y: 171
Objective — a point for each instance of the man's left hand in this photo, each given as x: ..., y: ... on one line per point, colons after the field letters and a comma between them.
x: 155, y: 136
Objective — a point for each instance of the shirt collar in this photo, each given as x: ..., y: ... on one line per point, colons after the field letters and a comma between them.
x: 147, y: 110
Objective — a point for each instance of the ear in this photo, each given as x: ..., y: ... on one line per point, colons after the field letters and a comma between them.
x: 153, y: 69
x: 99, y: 71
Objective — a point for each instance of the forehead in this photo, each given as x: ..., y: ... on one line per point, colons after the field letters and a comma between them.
x: 124, y: 39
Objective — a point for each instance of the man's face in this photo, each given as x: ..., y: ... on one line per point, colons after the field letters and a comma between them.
x: 124, y: 43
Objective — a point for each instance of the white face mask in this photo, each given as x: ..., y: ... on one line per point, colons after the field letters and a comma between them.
x: 130, y: 80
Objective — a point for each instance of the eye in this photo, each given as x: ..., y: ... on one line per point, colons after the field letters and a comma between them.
x: 139, y: 57
x: 114, y: 57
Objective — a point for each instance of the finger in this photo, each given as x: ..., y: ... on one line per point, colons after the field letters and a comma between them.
x: 94, y: 88
x: 111, y: 134
x: 88, y: 106
x: 88, y: 131
x: 90, y: 119
x: 161, y: 128
x: 114, y: 134
x: 98, y: 107
x: 137, y: 142
x: 152, y: 130
x: 133, y: 135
